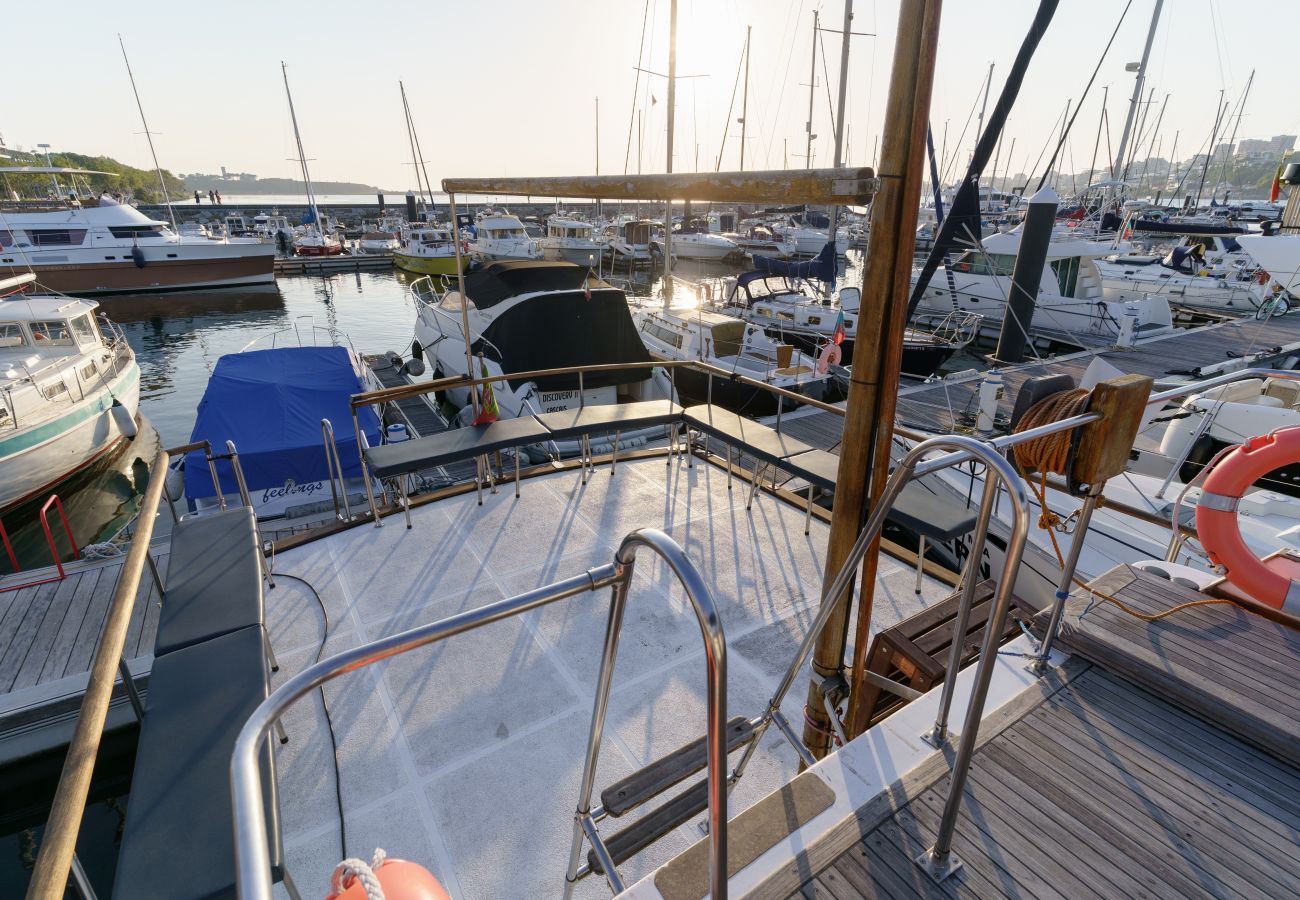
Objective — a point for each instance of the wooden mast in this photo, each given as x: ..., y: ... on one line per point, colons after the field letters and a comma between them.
x: 873, y: 389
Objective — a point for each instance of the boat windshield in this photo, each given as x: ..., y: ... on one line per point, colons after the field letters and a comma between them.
x: 11, y: 336
x: 52, y: 334
x: 503, y: 233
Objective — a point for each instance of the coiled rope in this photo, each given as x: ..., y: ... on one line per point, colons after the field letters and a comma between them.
x: 1051, y: 455
x: 357, y: 870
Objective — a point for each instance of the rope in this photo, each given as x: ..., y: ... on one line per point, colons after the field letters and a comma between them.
x: 1050, y: 455
x: 353, y: 870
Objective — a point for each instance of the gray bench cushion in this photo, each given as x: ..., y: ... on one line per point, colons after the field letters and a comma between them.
x: 214, y: 584
x: 178, y: 841
x: 388, y: 460
x: 606, y: 417
x: 749, y: 436
x: 815, y: 466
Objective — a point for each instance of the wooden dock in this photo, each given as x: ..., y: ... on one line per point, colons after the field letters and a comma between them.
x: 48, y: 635
x: 419, y: 418
x: 1166, y: 765
x: 347, y: 262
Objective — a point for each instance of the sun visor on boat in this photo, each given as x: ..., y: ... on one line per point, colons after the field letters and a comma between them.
x: 569, y: 330
x: 270, y: 403
x: 821, y: 266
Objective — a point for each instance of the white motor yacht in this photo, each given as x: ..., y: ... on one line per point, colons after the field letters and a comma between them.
x: 575, y: 241
x: 502, y: 236
x: 69, y: 392
x: 630, y: 241
x: 112, y: 247
x: 760, y: 240
x: 694, y: 241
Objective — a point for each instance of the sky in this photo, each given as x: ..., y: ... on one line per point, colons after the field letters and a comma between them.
x: 511, y: 88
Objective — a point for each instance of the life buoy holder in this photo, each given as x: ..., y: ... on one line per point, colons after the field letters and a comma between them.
x: 1216, y: 517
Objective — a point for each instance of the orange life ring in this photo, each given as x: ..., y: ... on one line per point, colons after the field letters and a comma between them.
x: 1216, y: 517
x: 399, y: 880
x: 830, y: 356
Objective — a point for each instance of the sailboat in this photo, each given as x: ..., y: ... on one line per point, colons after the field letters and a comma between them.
x: 312, y: 239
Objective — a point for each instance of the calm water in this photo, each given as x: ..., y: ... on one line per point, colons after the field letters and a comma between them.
x: 178, y: 339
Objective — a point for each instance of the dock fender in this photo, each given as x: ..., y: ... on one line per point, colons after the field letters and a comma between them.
x: 1216, y: 516
x: 138, y: 256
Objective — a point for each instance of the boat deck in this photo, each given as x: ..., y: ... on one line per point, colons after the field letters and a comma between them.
x: 419, y: 418
x: 466, y: 755
x: 950, y: 405
x: 1164, y: 765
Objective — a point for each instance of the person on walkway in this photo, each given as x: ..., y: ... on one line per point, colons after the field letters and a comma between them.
x: 198, y: 201
x: 218, y: 198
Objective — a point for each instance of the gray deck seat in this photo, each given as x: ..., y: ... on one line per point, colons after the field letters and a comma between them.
x: 760, y: 441
x: 606, y: 417
x: 178, y: 840
x: 214, y: 585
x: 391, y: 460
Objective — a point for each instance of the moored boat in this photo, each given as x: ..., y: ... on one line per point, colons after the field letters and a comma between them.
x: 428, y: 250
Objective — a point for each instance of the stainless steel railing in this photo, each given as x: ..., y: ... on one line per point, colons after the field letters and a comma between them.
x: 252, y: 856
x: 335, y: 466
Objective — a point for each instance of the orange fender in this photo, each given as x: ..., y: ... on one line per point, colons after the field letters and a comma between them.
x: 401, y: 880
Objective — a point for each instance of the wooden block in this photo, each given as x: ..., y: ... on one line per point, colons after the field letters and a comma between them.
x: 1104, y: 445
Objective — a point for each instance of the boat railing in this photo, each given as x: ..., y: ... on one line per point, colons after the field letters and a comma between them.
x: 57, y: 856
x: 252, y: 855
x: 335, y: 467
x: 49, y: 542
x: 332, y: 336
x: 58, y: 846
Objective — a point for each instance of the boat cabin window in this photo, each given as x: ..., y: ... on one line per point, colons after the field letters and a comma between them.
x: 83, y: 327
x: 136, y: 231
x: 11, y: 335
x: 977, y: 263
x: 51, y: 391
x: 503, y: 233
x: 6, y: 238
x: 451, y: 301
x: 667, y: 335
x: 728, y: 338
x: 814, y: 320
x: 1067, y: 274
x: 56, y: 237
x: 52, y: 334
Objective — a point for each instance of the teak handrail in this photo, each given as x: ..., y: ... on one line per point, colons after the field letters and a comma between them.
x: 53, y: 863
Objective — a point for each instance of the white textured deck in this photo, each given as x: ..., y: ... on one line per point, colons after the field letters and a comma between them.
x: 465, y: 756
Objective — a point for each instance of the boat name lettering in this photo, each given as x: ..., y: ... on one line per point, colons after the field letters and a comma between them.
x: 290, y: 489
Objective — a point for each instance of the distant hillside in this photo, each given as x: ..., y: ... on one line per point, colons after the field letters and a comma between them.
x: 140, y: 183
x: 254, y: 185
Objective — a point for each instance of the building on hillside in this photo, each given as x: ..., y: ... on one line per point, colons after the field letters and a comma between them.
x: 1254, y: 148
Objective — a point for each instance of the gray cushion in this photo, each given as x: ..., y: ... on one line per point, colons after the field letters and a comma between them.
x: 388, y: 460
x: 214, y: 579
x: 605, y: 417
x: 178, y: 840
x: 748, y: 436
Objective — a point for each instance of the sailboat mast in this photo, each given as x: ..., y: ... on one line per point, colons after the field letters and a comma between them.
x: 171, y: 213
x: 1137, y: 91
x: 1232, y: 141
x: 744, y: 100
x: 839, y: 109
x: 672, y: 116
x: 410, y: 139
x: 302, y: 154
x: 812, y: 90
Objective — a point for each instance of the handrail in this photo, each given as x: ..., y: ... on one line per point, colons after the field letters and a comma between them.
x: 54, y: 861
x: 252, y: 856
x: 334, y: 462
x: 49, y: 540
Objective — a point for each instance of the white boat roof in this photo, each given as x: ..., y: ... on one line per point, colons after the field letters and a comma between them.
x: 103, y: 216
x: 496, y: 221
x: 569, y: 223
x: 1008, y: 242
x: 695, y: 315
x: 43, y: 307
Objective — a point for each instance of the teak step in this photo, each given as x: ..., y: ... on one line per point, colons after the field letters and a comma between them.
x: 627, y: 843
x: 644, y: 784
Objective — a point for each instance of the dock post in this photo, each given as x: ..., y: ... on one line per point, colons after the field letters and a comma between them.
x: 1026, y: 276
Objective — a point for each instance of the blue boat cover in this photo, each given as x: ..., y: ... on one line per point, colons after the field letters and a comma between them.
x: 270, y: 403
x: 822, y: 266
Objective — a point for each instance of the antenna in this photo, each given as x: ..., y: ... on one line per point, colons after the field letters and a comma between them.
x: 171, y: 213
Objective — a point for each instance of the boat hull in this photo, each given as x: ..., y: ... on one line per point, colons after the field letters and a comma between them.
x: 427, y: 265
x: 318, y: 251
x: 919, y: 359
x: 35, y: 460
x: 162, y: 275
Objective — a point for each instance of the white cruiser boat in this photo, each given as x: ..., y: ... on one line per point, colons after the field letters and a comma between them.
x: 69, y: 392
x: 502, y: 236
x: 1071, y: 303
x: 112, y: 247
x: 630, y: 241
x: 272, y: 228
x: 808, y: 241
x: 1203, y: 271
x: 761, y: 240
x: 526, y: 316
x: 733, y: 345
x: 428, y: 249
x: 694, y: 241
x: 573, y: 240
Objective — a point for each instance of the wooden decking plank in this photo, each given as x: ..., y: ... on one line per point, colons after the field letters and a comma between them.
x: 1101, y: 812
x: 906, y: 837
x: 15, y: 606
x: 144, y: 616
x: 1125, y: 799
x: 92, y: 624
x: 64, y: 642
x: 998, y: 864
x: 21, y: 646
x: 43, y: 641
x: 1213, y: 772
x: 1031, y: 815
x: 863, y: 883
x: 1205, y: 808
x: 885, y: 878
x: 1248, y: 762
